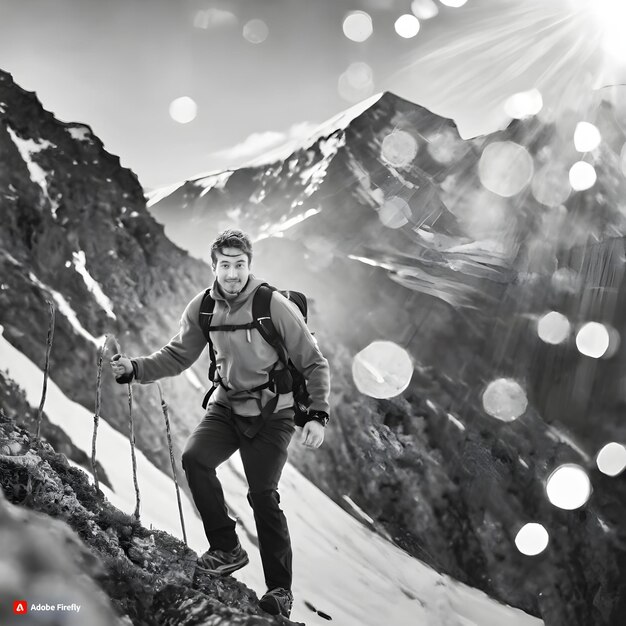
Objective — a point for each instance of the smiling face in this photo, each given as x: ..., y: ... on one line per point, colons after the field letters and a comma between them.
x: 231, y: 269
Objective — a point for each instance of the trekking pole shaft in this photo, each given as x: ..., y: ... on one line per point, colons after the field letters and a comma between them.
x: 165, y: 410
x: 132, y: 451
x: 46, y: 366
x: 96, y: 417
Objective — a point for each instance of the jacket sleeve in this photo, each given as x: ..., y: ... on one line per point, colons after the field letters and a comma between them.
x: 181, y: 351
x: 303, y: 350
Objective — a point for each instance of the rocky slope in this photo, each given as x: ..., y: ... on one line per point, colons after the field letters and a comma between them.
x: 63, y: 543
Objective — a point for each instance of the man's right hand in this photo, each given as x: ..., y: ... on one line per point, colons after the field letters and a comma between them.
x: 122, y: 368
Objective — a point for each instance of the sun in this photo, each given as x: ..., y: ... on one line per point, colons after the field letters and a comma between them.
x: 612, y: 16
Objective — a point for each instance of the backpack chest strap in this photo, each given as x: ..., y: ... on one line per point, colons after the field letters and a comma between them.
x: 233, y: 327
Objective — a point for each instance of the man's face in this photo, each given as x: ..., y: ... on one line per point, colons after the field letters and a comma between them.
x: 231, y: 271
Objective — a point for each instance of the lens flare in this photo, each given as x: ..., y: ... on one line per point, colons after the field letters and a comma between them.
x: 424, y: 9
x: 453, y: 3
x: 360, y: 75
x: 568, y: 487
x: 357, y: 26
x: 593, y: 340
x: 582, y: 176
x: 524, y: 104
x: 553, y: 328
x: 505, y: 168
x: 395, y: 213
x: 611, y: 460
x: 586, y: 137
x: 566, y: 280
x: 445, y: 146
x: 614, y: 342
x: 407, y: 26
x: 382, y: 370
x: 356, y: 83
x: 532, y: 539
x: 183, y: 110
x: 550, y: 185
x: 255, y: 31
x: 399, y: 148
x: 505, y: 399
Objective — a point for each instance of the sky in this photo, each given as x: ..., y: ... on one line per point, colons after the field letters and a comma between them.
x: 263, y: 72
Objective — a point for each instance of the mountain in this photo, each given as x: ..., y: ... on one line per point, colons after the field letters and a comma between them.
x: 455, y: 250
x: 409, y: 247
x: 75, y: 232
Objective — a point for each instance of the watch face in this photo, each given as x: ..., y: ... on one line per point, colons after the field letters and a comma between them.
x: 322, y: 419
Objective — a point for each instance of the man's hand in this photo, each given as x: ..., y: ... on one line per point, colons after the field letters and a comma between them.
x: 122, y: 368
x: 312, y: 434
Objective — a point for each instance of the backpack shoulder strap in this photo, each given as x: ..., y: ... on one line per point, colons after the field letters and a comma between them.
x: 207, y: 307
x: 206, y: 313
x: 261, y: 312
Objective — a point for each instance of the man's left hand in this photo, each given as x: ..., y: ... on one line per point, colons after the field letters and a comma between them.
x: 312, y: 434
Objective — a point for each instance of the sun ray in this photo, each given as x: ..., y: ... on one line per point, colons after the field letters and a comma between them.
x: 499, y: 50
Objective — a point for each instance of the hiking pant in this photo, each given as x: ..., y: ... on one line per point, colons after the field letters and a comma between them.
x: 264, y: 455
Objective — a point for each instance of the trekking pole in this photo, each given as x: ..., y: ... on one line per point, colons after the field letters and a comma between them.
x: 132, y: 451
x: 46, y: 366
x: 165, y: 409
x: 96, y: 417
x: 132, y: 439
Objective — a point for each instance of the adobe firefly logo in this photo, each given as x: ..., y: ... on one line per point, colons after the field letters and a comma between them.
x: 20, y: 607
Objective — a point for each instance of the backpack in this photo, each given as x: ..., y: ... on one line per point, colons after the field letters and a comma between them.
x: 279, y: 381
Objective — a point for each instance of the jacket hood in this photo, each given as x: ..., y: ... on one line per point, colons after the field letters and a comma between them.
x: 249, y: 289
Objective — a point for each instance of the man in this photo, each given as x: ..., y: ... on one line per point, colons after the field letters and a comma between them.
x: 237, y: 415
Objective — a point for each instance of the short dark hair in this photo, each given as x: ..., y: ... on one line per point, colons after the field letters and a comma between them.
x: 232, y: 238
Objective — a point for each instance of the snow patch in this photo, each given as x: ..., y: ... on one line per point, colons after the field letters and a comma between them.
x: 558, y: 435
x: 315, y: 174
x: 3, y: 108
x: 372, y: 262
x: 359, y: 511
x: 80, y: 265
x: 213, y: 180
x: 65, y: 309
x: 80, y: 133
x: 27, y: 148
x: 159, y: 194
x: 343, y: 119
x: 456, y: 422
x: 338, y: 122
x: 279, y: 229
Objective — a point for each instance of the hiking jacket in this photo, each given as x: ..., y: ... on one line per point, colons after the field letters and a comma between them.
x: 243, y: 358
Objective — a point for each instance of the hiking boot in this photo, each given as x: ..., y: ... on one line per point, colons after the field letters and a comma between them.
x: 222, y: 562
x: 277, y: 602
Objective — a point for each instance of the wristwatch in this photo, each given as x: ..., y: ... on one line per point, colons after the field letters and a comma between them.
x: 319, y: 416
